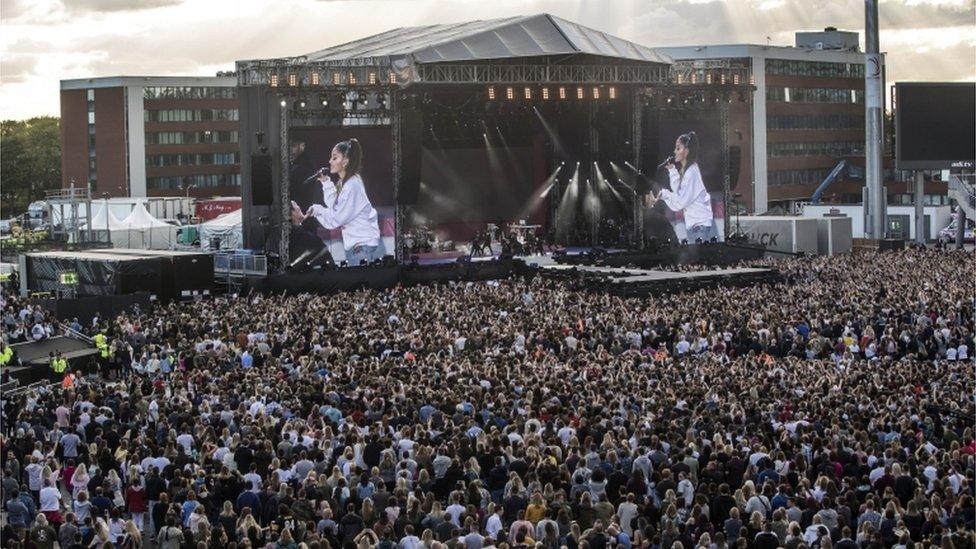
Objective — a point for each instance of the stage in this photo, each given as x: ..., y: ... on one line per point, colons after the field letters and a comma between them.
x: 643, y: 282
x: 622, y: 272
x: 35, y: 360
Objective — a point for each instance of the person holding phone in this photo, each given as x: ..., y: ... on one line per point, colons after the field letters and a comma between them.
x: 345, y: 204
x: 688, y: 193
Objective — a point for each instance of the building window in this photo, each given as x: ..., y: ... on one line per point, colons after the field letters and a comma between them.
x: 816, y: 148
x: 190, y: 115
x: 91, y: 95
x: 91, y: 117
x: 182, y: 138
x: 188, y: 159
x: 823, y: 69
x: 814, y: 95
x: 190, y: 92
x: 815, y: 122
x: 796, y: 177
x: 200, y: 181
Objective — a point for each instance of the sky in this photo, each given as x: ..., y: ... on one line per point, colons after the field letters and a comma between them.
x: 45, y: 41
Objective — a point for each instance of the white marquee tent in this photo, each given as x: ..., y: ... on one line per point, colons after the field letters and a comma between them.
x: 229, y: 228
x: 141, y: 230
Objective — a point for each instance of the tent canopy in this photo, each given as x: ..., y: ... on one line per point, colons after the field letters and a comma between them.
x: 229, y: 228
x: 227, y: 220
x: 140, y: 218
x: 98, y: 222
x: 141, y: 230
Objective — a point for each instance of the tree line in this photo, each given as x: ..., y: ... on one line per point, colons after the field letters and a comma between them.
x: 30, y: 162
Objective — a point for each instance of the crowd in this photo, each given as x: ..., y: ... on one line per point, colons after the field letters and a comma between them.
x: 834, y: 409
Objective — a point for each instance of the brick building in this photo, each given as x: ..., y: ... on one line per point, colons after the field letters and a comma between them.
x: 151, y: 136
x: 807, y: 114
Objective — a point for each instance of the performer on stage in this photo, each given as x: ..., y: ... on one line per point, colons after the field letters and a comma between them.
x: 687, y: 192
x: 345, y: 204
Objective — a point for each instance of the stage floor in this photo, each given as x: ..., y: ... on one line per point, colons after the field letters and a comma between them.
x: 630, y: 281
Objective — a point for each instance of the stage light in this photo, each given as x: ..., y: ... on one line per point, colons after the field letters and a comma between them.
x: 301, y: 103
x: 562, y: 92
x: 528, y: 92
x: 352, y: 79
x: 315, y: 79
x: 596, y: 93
x: 274, y: 81
x: 613, y: 92
x: 325, y: 101
x: 708, y: 78
x: 336, y: 79
x: 735, y: 79
x: 545, y: 94
x: 372, y: 79
x: 491, y: 93
x: 292, y: 79
x: 579, y: 93
x: 283, y: 103
x: 510, y: 93
x: 393, y: 79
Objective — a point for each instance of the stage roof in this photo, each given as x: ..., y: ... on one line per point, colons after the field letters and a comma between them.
x: 512, y: 37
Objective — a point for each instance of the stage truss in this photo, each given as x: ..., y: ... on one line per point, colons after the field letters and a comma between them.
x: 296, y: 78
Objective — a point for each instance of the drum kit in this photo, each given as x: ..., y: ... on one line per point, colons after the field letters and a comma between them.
x: 420, y: 240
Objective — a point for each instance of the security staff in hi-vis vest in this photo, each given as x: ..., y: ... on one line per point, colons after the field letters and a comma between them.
x: 103, y: 353
x: 59, y: 365
x: 6, y: 356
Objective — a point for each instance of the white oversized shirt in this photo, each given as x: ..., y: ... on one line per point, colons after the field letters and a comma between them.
x: 350, y: 211
x: 689, y: 194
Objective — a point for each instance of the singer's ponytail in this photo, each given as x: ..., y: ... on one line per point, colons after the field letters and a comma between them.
x: 690, y: 141
x: 353, y: 152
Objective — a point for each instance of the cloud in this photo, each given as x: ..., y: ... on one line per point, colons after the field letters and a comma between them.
x: 48, y: 40
x: 116, y: 5
x: 17, y: 68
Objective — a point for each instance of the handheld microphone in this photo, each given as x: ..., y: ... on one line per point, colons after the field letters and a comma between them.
x: 316, y: 175
x: 668, y: 160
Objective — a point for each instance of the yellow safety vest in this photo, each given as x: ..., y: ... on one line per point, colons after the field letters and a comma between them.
x: 59, y: 365
x: 6, y: 355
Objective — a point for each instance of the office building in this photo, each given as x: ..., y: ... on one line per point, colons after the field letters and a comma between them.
x: 151, y: 136
x: 807, y: 116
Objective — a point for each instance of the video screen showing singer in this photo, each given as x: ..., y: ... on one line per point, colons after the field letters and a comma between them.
x: 345, y: 205
x: 687, y: 192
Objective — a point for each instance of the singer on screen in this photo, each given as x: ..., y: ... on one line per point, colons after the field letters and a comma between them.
x: 345, y: 204
x: 687, y: 193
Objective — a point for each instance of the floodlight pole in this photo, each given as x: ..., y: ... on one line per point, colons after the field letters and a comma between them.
x: 874, y: 131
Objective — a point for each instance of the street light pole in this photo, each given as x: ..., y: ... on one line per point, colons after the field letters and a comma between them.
x: 108, y: 231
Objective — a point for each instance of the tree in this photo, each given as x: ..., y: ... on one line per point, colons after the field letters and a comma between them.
x: 30, y: 162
